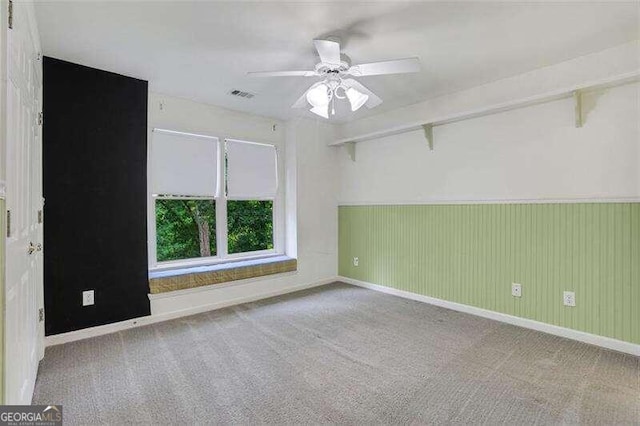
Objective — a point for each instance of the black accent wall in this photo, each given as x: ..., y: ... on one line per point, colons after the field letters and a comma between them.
x: 95, y: 189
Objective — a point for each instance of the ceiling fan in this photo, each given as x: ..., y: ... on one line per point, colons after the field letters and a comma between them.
x: 336, y: 84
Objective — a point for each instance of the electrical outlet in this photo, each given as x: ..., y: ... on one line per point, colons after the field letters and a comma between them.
x: 87, y: 298
x: 569, y: 298
x: 516, y: 290
x: 356, y: 261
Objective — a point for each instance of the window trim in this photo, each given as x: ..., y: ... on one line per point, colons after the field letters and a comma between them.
x: 222, y: 255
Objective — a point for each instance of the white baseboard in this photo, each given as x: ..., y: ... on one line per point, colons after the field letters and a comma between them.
x: 605, y: 342
x: 72, y: 336
x: 581, y: 336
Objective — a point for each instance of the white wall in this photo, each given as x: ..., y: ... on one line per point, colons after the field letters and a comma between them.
x: 317, y: 186
x: 186, y: 115
x: 530, y: 153
x: 610, y: 64
x: 310, y: 186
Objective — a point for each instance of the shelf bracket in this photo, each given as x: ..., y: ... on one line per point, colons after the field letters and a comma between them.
x: 351, y: 150
x: 428, y: 133
x: 577, y: 99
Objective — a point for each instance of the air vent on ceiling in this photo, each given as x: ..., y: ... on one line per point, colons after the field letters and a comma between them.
x: 241, y: 94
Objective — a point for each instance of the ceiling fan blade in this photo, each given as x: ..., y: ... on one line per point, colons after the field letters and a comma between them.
x: 282, y: 74
x: 386, y: 67
x: 328, y: 50
x: 373, y: 100
x: 302, y: 100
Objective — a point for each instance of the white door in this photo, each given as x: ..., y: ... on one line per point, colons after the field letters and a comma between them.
x: 23, y: 298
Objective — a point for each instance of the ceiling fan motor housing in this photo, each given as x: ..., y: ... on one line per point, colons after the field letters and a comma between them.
x: 325, y: 68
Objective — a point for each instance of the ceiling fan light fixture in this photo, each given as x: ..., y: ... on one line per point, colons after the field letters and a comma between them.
x: 318, y: 96
x: 321, y: 110
x: 356, y: 98
x: 337, y: 83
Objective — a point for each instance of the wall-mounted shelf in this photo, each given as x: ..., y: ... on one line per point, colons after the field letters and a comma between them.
x: 427, y: 125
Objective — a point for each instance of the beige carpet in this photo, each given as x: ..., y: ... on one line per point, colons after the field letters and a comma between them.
x: 337, y: 354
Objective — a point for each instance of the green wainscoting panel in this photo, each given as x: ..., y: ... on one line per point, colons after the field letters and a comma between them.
x: 471, y: 254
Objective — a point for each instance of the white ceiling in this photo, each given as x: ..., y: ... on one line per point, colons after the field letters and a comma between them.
x: 202, y: 50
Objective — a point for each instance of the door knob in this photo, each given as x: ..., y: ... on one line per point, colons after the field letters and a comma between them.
x: 38, y: 247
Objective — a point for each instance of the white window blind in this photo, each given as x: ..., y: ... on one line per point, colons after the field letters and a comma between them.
x: 184, y: 164
x: 251, y: 170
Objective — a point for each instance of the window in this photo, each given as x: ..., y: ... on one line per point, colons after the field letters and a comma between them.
x: 212, y: 200
x: 250, y: 226
x: 251, y: 182
x: 185, y: 228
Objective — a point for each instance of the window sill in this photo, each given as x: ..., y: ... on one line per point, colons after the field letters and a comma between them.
x: 189, y: 264
x: 198, y: 276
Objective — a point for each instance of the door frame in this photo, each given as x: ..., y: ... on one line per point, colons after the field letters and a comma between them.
x: 26, y: 8
x: 3, y: 167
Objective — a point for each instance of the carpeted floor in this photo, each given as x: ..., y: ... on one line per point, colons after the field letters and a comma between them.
x: 337, y: 354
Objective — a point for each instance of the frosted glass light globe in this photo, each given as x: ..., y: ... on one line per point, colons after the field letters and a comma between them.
x: 318, y: 96
x: 356, y: 99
